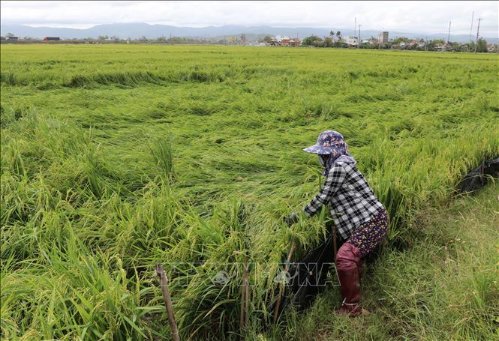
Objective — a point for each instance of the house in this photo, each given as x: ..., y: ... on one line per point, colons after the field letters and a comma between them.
x: 51, y: 39
x: 491, y: 48
x: 12, y: 38
x: 284, y: 41
x: 352, y: 41
x: 440, y: 47
x: 294, y: 42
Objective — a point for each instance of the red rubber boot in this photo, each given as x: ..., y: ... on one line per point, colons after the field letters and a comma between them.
x: 348, y: 267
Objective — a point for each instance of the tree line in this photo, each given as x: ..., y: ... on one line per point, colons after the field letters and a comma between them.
x: 402, y: 43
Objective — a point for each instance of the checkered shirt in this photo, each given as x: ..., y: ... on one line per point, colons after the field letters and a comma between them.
x: 351, y: 200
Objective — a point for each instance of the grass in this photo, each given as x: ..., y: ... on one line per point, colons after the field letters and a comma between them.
x: 116, y: 158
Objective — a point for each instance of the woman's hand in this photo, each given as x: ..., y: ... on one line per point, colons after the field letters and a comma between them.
x: 291, y: 219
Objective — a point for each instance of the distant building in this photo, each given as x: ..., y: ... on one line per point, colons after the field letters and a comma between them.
x: 12, y: 38
x: 440, y: 47
x: 285, y: 41
x: 383, y: 37
x: 51, y: 39
x: 294, y: 42
x: 352, y: 41
x: 413, y: 43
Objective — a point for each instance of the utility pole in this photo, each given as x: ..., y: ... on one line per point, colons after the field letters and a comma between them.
x: 355, y: 27
x: 358, y: 43
x: 477, y: 33
x: 448, y: 35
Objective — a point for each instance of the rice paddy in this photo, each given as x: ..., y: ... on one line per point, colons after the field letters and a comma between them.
x: 118, y: 157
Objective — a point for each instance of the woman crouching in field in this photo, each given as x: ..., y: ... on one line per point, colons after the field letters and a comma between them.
x: 359, y: 218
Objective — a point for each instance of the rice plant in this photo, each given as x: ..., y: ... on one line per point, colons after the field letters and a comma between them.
x: 115, y: 160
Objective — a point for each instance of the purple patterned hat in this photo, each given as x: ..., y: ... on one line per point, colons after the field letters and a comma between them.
x: 328, y: 142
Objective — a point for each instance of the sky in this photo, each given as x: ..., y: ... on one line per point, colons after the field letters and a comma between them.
x: 403, y: 16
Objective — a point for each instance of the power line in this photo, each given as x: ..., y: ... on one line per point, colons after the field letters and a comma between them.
x: 477, y: 33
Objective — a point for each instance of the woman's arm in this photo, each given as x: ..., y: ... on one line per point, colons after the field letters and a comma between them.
x: 334, y: 180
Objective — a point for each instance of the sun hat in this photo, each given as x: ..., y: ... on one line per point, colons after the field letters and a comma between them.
x: 328, y: 142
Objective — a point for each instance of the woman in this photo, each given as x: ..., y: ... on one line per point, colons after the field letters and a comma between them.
x: 359, y: 218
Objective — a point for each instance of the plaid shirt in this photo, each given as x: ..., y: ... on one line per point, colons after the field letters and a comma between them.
x: 350, y: 198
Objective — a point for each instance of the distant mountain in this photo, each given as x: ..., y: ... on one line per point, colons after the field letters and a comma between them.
x: 138, y: 30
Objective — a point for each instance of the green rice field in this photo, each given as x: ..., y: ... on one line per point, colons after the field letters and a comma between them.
x: 115, y: 158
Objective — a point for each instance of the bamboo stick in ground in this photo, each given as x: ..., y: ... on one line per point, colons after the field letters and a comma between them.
x: 247, y: 297
x: 168, y: 301
x: 244, y: 298
x: 281, y: 286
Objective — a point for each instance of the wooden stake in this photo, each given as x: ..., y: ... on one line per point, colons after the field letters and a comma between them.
x: 281, y: 286
x: 245, y: 298
x: 168, y: 301
x: 335, y: 250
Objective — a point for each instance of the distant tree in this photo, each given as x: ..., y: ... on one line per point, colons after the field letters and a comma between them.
x: 455, y: 46
x: 162, y: 39
x: 341, y: 44
x: 464, y: 48
x: 338, y: 35
x: 399, y: 40
x: 318, y: 43
x: 10, y: 35
x: 481, y: 45
x: 432, y: 44
x: 267, y: 39
x: 328, y: 42
x: 103, y: 37
x: 312, y: 41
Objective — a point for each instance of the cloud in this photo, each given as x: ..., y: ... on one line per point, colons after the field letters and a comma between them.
x: 413, y: 16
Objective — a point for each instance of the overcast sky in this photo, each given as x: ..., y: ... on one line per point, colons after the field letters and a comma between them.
x: 402, y: 16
